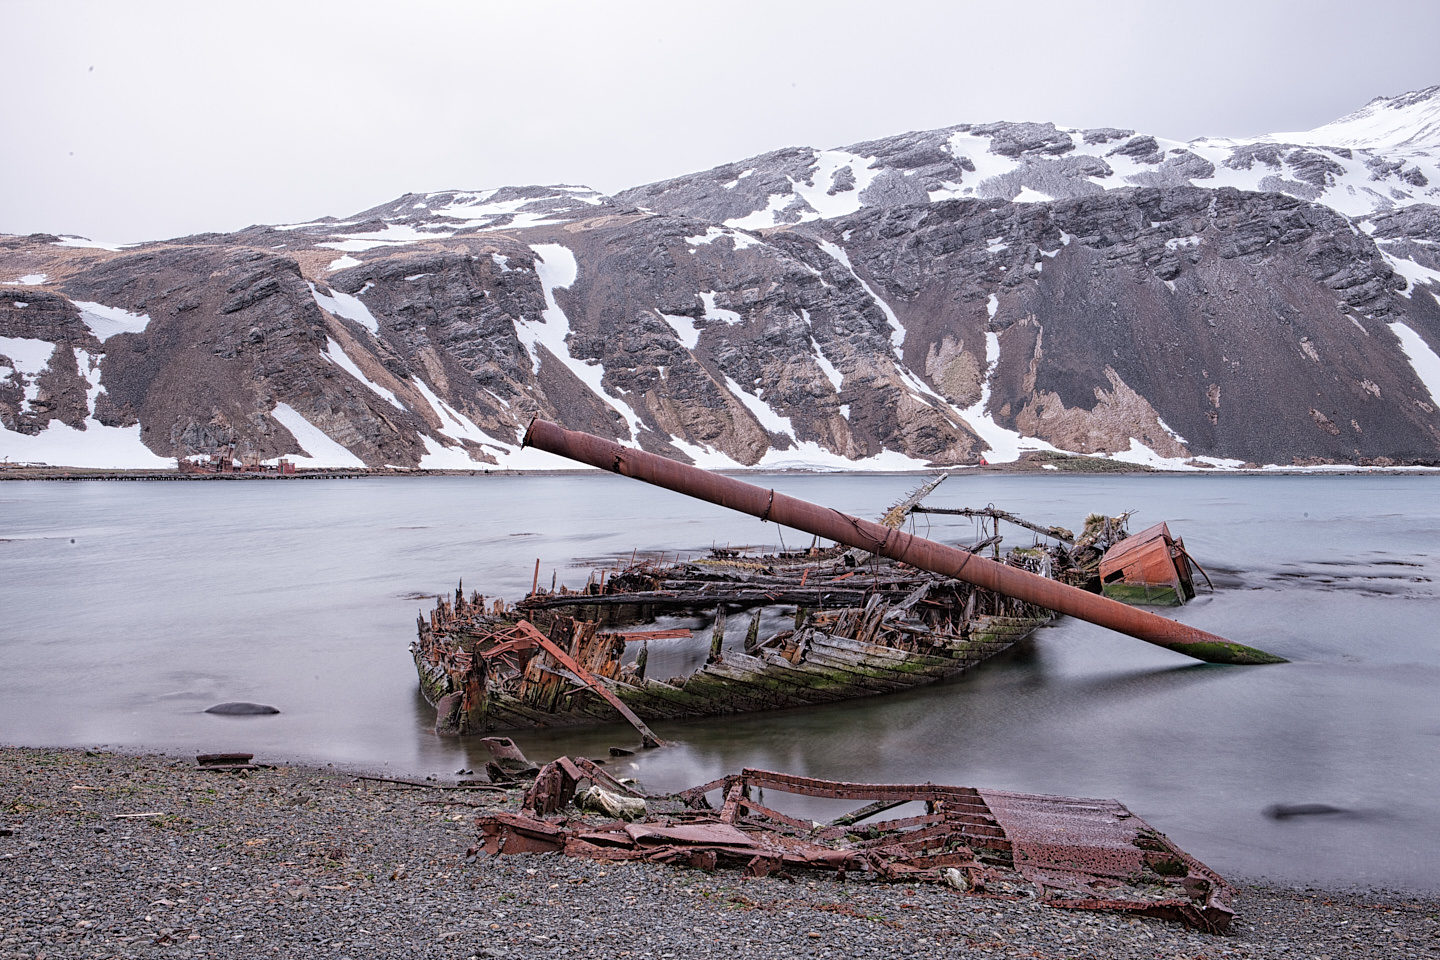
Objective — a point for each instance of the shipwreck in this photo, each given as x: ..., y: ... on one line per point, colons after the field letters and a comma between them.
x: 878, y: 611
x: 747, y: 632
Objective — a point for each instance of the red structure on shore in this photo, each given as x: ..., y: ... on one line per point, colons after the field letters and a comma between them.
x: 222, y: 463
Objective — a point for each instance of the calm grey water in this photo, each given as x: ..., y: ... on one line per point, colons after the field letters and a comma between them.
x: 127, y: 608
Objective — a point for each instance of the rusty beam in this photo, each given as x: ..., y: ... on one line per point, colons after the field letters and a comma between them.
x: 896, y: 544
x: 646, y: 737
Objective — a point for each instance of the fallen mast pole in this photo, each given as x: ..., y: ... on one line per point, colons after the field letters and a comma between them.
x: 896, y: 544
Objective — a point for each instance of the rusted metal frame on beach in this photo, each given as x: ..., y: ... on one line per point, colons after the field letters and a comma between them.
x: 786, y: 511
x: 646, y: 736
x: 1074, y: 853
x: 555, y: 784
x: 845, y: 790
x: 869, y: 810
x: 760, y: 810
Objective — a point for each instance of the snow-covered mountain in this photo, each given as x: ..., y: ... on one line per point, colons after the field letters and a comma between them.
x: 931, y: 298
x: 1384, y: 156
x: 1405, y: 125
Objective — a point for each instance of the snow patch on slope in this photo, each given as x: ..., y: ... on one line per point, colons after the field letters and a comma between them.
x: 826, y: 367
x: 105, y: 322
x: 711, y: 234
x: 437, y: 456
x: 336, y: 354
x: 1412, y: 272
x: 347, y: 306
x: 821, y: 193
x: 775, y: 204
x: 97, y: 445
x: 807, y: 455
x: 85, y: 243
x: 1141, y: 455
x: 29, y: 280
x: 684, y: 328
x: 1407, y: 122
x: 556, y: 268
x: 1423, y: 360
x: 1005, y: 445
x: 976, y: 149
x: 28, y: 359
x: 393, y: 235
x: 811, y: 456
x: 454, y: 424
x: 897, y: 332
x: 721, y: 314
x: 762, y: 411
x: 1027, y: 195
x: 318, y: 449
x: 61, y: 445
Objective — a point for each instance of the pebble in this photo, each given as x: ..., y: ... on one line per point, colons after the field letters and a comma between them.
x: 296, y: 861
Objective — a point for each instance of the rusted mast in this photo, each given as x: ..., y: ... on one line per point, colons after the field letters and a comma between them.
x: 895, y: 544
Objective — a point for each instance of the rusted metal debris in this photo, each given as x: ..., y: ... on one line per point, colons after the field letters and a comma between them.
x: 1065, y: 852
x: 818, y: 625
x: 894, y: 543
x: 1151, y: 567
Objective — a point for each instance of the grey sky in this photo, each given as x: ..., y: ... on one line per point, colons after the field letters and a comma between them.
x: 143, y: 120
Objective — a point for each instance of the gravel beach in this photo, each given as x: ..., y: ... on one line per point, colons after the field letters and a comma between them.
x: 107, y: 855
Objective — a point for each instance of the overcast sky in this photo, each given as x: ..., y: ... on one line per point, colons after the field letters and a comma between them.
x: 143, y: 120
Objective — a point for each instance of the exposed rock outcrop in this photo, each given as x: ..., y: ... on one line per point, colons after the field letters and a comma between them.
x: 932, y: 298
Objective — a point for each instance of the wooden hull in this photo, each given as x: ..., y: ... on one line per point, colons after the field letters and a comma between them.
x: 827, y: 668
x: 838, y: 624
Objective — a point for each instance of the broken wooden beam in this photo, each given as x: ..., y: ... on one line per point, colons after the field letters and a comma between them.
x: 646, y: 736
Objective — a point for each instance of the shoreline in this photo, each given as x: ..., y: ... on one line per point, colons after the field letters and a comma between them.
x: 108, y: 853
x: 1109, y: 468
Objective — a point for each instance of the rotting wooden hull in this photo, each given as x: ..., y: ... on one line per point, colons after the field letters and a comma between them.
x: 878, y: 646
x: 842, y: 624
x: 832, y: 669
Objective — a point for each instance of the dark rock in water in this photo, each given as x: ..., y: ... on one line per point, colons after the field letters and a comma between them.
x: 1284, y: 811
x: 242, y: 708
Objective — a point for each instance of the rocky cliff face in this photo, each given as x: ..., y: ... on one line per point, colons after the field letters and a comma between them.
x: 932, y: 298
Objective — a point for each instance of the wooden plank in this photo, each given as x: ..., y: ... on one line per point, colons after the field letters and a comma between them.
x: 874, y: 675
x: 877, y: 651
x: 693, y: 704
x: 739, y: 698
x: 832, y: 684
x: 849, y: 651
x: 784, y: 693
x: 499, y: 705
x: 825, y: 682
